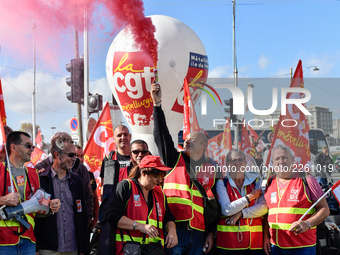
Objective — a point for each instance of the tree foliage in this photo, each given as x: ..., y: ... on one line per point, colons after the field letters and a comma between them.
x: 28, y: 128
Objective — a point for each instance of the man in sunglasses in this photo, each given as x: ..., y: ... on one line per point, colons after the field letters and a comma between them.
x: 14, y: 238
x: 77, y: 168
x: 64, y: 232
x: 109, y: 173
x: 139, y: 149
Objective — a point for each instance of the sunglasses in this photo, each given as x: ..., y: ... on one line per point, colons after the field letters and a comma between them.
x: 239, y: 160
x: 71, y: 154
x: 136, y: 152
x: 27, y: 145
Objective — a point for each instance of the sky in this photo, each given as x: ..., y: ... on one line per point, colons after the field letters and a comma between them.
x: 271, y: 37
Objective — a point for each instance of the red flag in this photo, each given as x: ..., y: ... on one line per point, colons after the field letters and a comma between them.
x: 220, y: 145
x: 186, y: 110
x: 214, y: 147
x: 297, y: 137
x: 260, y: 144
x: 37, y: 156
x: 246, y: 145
x: 226, y: 138
x: 2, y: 134
x: 190, y: 122
x: 336, y: 191
x: 38, y: 139
x: 99, y: 144
x: 2, y: 105
x: 253, y: 133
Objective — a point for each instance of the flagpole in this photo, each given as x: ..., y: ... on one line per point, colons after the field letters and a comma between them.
x: 9, y: 170
x: 235, y: 67
x: 310, y: 208
x: 33, y: 93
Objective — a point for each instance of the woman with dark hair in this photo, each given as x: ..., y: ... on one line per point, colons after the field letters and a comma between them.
x: 140, y: 210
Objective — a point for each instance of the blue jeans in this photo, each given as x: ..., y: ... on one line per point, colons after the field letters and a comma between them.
x: 24, y: 247
x: 297, y: 251
x: 190, y: 242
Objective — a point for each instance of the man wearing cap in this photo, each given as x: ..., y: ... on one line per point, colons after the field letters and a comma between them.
x: 140, y: 209
x: 185, y: 200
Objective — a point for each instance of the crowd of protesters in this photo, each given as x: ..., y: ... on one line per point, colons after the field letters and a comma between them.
x: 166, y: 204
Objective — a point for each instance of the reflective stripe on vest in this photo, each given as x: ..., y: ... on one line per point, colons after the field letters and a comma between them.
x: 243, y: 236
x: 184, y: 200
x: 284, y: 210
x: 137, y: 210
x: 7, y: 227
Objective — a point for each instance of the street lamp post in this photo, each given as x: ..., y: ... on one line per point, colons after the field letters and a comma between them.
x: 53, y: 130
x: 291, y: 70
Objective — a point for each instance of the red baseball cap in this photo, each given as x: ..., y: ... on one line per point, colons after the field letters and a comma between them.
x: 153, y: 161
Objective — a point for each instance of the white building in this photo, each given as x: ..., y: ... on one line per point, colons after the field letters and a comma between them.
x: 320, y: 117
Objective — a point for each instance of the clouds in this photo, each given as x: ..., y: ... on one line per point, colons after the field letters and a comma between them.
x: 221, y: 72
x: 263, y: 62
x: 52, y: 106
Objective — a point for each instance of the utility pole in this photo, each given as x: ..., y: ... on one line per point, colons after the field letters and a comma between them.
x: 80, y: 128
x: 86, y: 75
x: 33, y: 93
x: 235, y: 68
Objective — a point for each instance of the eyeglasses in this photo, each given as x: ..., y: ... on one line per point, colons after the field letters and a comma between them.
x: 71, y: 154
x: 136, y: 152
x: 80, y: 155
x: 27, y: 145
x: 238, y: 160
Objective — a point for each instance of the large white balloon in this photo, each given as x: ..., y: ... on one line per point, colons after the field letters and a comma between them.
x: 130, y: 73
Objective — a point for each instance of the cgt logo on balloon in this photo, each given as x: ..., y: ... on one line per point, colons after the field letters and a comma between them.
x: 132, y: 78
x: 197, y: 73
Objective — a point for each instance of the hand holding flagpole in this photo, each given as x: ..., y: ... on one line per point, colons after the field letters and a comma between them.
x: 310, y: 208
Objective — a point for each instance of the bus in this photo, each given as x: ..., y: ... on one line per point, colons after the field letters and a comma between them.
x: 317, y: 138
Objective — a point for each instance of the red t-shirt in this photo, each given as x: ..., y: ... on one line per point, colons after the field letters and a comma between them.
x: 314, y: 191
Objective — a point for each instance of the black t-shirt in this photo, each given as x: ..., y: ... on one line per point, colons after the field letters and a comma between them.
x: 117, y: 206
x: 122, y: 160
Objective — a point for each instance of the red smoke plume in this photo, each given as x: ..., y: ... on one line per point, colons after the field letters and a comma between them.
x: 54, y: 18
x: 132, y: 12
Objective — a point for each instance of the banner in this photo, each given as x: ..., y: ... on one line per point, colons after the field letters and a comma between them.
x: 38, y: 140
x: 295, y: 137
x: 99, y: 144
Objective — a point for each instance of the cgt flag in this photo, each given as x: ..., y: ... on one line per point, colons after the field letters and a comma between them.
x: 100, y: 144
x: 295, y: 137
x: 38, y: 139
x: 37, y: 156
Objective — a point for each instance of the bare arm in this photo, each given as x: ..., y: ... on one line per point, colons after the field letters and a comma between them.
x: 127, y: 223
x: 321, y: 213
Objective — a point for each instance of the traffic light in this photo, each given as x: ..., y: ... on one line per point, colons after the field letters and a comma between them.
x: 76, y: 81
x: 230, y: 110
x: 95, y: 103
